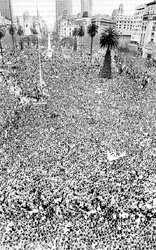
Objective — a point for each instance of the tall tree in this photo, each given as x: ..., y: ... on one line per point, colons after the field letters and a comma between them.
x: 92, y: 30
x: 12, y: 31
x: 81, y: 33
x: 75, y: 34
x: 109, y: 40
x: 20, y: 32
x: 2, y: 34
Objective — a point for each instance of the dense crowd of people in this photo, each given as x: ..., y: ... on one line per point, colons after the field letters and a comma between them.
x: 77, y: 155
x: 141, y: 77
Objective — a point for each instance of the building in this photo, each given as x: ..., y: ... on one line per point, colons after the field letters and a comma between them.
x: 103, y: 23
x: 5, y: 9
x: 86, y: 8
x: 124, y: 37
x: 63, y: 9
x: 137, y: 24
x: 123, y: 22
x: 68, y: 25
x: 118, y: 12
x: 148, y: 30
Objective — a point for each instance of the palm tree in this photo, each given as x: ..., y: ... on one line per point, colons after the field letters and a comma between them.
x: 75, y: 34
x: 20, y: 32
x: 92, y: 31
x: 12, y: 31
x: 109, y: 39
x: 2, y: 34
x: 81, y: 33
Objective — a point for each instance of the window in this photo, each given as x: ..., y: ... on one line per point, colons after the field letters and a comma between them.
x: 152, y: 39
x: 152, y: 34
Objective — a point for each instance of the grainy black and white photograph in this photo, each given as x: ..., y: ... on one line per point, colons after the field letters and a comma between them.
x: 77, y: 125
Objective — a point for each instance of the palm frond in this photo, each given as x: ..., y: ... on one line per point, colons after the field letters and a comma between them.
x: 81, y: 31
x: 75, y: 32
x: 109, y: 38
x: 2, y: 32
x: 92, y: 30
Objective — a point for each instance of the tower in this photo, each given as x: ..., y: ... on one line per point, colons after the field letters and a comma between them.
x: 121, y: 9
x: 86, y: 8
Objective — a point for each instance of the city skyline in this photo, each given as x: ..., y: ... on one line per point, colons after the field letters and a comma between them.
x: 48, y: 10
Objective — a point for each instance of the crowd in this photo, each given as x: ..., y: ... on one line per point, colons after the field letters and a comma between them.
x: 141, y: 77
x: 77, y: 164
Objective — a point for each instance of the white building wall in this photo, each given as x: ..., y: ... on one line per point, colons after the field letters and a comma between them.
x: 148, y: 31
x: 137, y: 24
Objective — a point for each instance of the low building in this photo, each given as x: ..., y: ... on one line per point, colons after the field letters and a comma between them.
x: 124, y: 36
x: 103, y: 23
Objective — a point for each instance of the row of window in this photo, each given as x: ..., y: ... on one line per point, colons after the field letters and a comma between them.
x: 69, y: 29
x: 66, y: 34
x: 124, y: 21
x: 124, y: 27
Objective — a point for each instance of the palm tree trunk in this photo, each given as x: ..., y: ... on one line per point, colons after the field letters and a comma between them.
x: 13, y: 42
x: 21, y: 43
x: 91, y: 49
x: 75, y: 44
x: 81, y: 44
x: 106, y: 70
x: 1, y: 51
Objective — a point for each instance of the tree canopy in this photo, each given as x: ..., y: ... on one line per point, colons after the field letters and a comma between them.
x: 92, y: 30
x: 109, y: 38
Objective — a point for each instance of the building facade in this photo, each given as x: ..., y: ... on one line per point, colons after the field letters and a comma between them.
x: 63, y: 8
x: 123, y: 22
x: 118, y: 12
x: 137, y: 24
x: 148, y: 30
x: 5, y: 9
x: 68, y: 25
x: 86, y: 8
